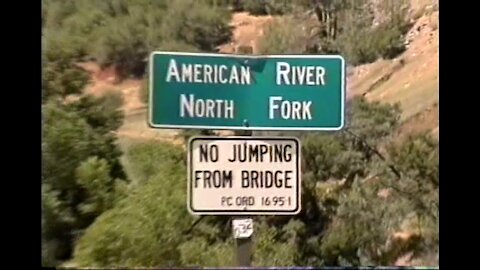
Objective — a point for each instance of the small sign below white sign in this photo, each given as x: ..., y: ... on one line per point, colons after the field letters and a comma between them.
x: 242, y: 228
x: 244, y: 176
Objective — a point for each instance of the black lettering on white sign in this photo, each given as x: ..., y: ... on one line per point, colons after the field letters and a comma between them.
x: 208, y: 152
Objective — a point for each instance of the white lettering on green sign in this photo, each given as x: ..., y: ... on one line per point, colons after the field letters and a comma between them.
x: 268, y: 92
x: 208, y: 108
x: 289, y: 109
x: 299, y: 75
x: 204, y: 73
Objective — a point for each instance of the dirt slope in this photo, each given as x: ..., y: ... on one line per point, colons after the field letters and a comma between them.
x: 135, y: 126
x: 410, y: 79
x: 247, y: 32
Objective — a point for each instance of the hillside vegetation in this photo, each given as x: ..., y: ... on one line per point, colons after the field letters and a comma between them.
x: 114, y: 191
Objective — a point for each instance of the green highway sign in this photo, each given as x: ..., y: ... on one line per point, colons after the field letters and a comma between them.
x: 220, y: 91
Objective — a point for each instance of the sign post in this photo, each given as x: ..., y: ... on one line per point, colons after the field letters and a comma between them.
x: 245, y: 176
x: 242, y: 232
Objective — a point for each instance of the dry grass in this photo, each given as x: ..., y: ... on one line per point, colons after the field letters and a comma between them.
x: 415, y: 84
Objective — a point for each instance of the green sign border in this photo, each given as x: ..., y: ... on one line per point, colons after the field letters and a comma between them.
x: 150, y: 94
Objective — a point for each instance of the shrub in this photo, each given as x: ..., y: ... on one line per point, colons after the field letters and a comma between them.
x: 144, y: 159
x: 145, y: 229
x: 284, y: 36
x: 360, y: 42
x: 273, y: 7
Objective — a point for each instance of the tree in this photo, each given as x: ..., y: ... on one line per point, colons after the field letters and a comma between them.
x: 143, y: 160
x: 418, y: 160
x: 363, y: 229
x: 123, y: 33
x: 61, y: 78
x: 93, y: 175
x: 155, y: 209
x: 351, y: 28
x: 331, y: 165
x: 71, y: 196
x: 104, y: 114
x: 272, y: 7
x: 284, y: 36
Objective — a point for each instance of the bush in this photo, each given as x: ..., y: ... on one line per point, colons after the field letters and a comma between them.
x: 144, y: 159
x: 360, y: 42
x: 60, y: 77
x: 362, y: 229
x: 255, y: 7
x: 355, y: 36
x: 69, y: 169
x: 156, y: 210
x: 273, y: 7
x: 104, y: 113
x: 123, y: 33
x: 93, y: 175
x: 197, y: 252
x: 120, y: 43
x: 196, y: 24
x: 284, y: 36
x: 276, y: 247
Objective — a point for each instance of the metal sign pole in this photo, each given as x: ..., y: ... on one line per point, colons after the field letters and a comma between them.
x: 242, y: 231
x: 243, y: 245
x: 244, y: 251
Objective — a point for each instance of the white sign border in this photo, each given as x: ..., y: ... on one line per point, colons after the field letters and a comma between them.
x: 241, y: 212
x: 150, y: 92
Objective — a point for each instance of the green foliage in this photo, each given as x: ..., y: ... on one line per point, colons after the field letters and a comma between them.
x: 54, y: 209
x: 319, y: 154
x: 255, y: 7
x: 143, y: 159
x: 357, y: 226
x: 340, y: 223
x: 344, y: 219
x: 270, y: 251
x: 350, y: 152
x: 145, y: 229
x: 331, y: 164
x: 342, y: 27
x: 75, y: 187
x: 55, y: 11
x: 361, y: 42
x: 417, y: 159
x: 197, y: 24
x: 272, y: 7
x: 66, y: 140
x: 362, y: 230
x: 371, y: 121
x: 104, y: 113
x: 198, y: 252
x: 123, y: 33
x: 284, y: 36
x: 93, y: 175
x: 60, y: 78
x: 121, y: 42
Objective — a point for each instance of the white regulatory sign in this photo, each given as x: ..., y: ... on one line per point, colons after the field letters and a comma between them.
x: 244, y: 176
x: 242, y: 228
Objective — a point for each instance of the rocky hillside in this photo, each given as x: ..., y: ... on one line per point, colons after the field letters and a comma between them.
x: 410, y: 79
